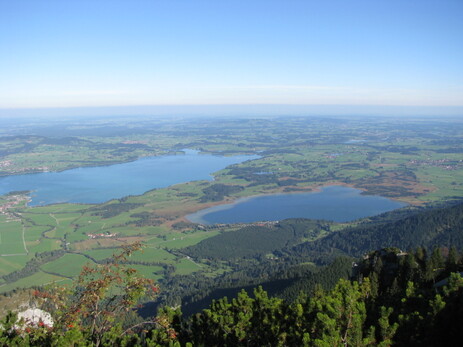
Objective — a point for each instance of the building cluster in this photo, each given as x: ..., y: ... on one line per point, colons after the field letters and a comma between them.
x: 332, y: 155
x: 133, y: 142
x: 33, y: 169
x: 9, y: 164
x: 445, y: 164
x: 101, y: 235
x: 237, y: 225
x: 11, y: 201
x: 5, y: 163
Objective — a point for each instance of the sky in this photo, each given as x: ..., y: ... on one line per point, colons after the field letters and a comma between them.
x: 79, y: 53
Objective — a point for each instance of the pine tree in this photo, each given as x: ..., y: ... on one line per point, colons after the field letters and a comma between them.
x: 451, y: 264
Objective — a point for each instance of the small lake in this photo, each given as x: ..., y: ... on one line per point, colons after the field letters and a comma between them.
x: 334, y: 203
x: 103, y: 183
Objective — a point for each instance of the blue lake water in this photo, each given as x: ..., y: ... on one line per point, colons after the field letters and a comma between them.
x: 103, y: 183
x: 335, y: 203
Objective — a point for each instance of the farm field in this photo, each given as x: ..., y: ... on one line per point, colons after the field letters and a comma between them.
x: 11, y: 263
x: 69, y: 265
x: 37, y: 279
x: 149, y: 271
x: 11, y: 239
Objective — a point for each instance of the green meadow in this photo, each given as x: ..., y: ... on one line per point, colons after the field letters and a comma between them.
x: 11, y: 238
x: 11, y: 263
x: 186, y: 267
x: 149, y: 271
x: 69, y: 265
x: 38, y: 279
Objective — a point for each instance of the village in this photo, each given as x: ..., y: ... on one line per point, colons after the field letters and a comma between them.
x: 445, y: 164
x: 237, y: 225
x: 5, y: 163
x: 101, y: 235
x: 9, y: 168
x: 10, y: 201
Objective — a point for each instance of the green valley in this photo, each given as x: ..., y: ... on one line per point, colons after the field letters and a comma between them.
x: 413, y: 160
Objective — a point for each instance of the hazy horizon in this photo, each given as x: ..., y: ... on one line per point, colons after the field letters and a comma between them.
x: 236, y: 110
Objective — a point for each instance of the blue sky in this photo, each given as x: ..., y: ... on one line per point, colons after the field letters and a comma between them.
x: 109, y: 53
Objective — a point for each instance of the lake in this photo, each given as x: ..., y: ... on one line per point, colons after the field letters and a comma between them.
x: 103, y: 183
x: 334, y: 203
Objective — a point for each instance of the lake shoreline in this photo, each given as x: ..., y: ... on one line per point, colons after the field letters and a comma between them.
x: 233, y: 203
x: 297, y: 190
x: 100, y: 184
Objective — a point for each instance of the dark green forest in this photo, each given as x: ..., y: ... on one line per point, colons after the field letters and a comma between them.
x: 442, y: 227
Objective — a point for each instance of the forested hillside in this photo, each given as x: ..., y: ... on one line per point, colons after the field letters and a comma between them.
x: 394, y: 298
x: 442, y: 227
x: 252, y: 241
x: 279, y: 259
